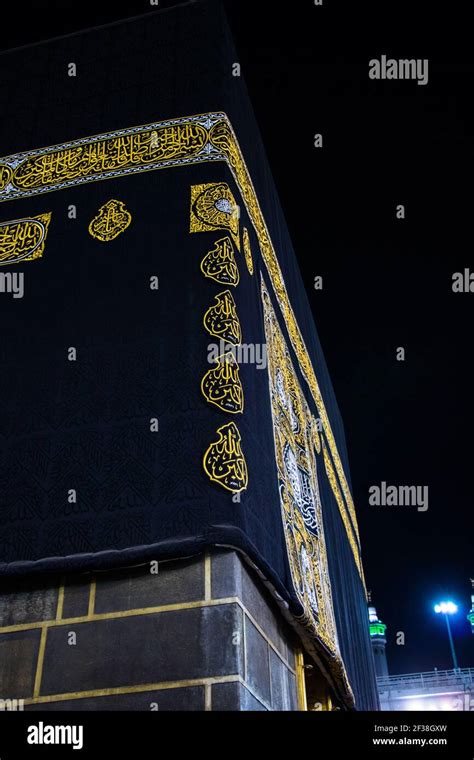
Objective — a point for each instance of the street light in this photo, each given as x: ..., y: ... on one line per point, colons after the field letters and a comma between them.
x: 447, y: 609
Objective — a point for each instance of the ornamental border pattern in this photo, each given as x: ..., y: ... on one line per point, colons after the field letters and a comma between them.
x: 187, y: 140
x: 300, y: 502
x: 111, y: 154
x: 298, y: 485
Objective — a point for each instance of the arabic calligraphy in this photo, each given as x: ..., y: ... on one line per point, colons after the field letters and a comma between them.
x: 213, y: 207
x: 219, y: 263
x: 23, y: 239
x: 221, y: 319
x: 187, y: 140
x: 222, y: 387
x: 298, y: 484
x: 223, y: 138
x: 110, y: 155
x: 112, y: 219
x: 224, y: 461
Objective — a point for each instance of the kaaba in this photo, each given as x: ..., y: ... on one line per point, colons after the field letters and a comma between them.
x: 178, y: 527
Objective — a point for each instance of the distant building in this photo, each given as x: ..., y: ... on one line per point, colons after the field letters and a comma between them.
x: 377, y: 637
x: 470, y: 614
x: 434, y: 690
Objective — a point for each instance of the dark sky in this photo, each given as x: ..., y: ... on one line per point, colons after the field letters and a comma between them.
x: 387, y: 282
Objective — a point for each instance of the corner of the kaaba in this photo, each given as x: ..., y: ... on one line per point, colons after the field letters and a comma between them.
x: 178, y: 531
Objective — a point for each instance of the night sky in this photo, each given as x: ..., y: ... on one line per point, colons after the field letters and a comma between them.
x: 387, y: 282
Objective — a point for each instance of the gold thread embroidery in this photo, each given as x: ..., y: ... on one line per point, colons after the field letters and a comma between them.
x: 298, y: 485
x: 23, y: 239
x: 177, y: 142
x: 247, y: 250
x: 116, y: 153
x: 222, y: 386
x: 6, y: 174
x: 111, y: 220
x: 221, y: 320
x: 224, y: 461
x: 219, y: 263
x: 315, y: 435
x: 213, y: 207
x: 223, y: 138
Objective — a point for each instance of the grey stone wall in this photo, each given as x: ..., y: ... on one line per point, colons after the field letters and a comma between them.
x: 200, y: 634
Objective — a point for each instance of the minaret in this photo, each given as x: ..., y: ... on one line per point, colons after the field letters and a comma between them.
x: 378, y: 639
x: 470, y: 614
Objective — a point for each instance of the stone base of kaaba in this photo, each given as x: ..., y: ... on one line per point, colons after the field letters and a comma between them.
x: 201, y: 633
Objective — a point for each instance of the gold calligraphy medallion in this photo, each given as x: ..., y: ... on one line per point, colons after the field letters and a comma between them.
x: 214, y: 207
x: 221, y: 319
x: 23, y: 239
x: 222, y: 387
x: 112, y: 219
x: 224, y: 461
x: 219, y: 263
